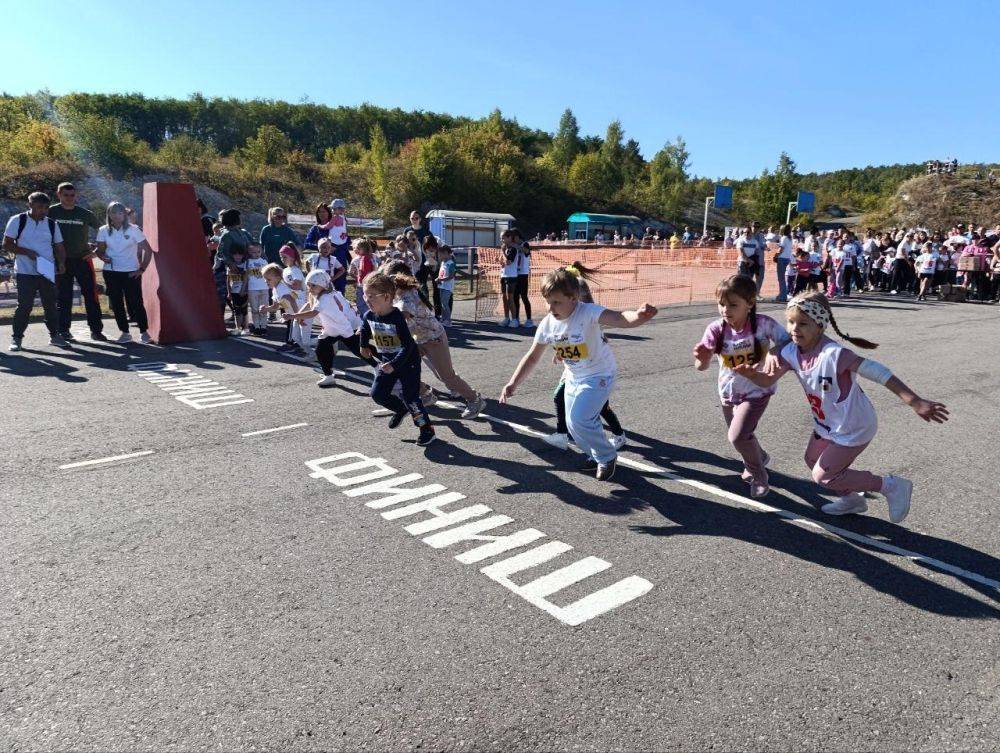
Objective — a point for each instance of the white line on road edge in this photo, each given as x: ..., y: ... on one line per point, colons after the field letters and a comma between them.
x: 271, y: 431
x: 762, y: 507
x: 106, y: 460
x: 300, y: 359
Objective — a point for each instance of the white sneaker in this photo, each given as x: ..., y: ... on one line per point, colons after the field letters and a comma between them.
x: 514, y: 323
x: 474, y: 408
x: 245, y: 332
x: 327, y: 381
x: 897, y: 492
x: 505, y: 322
x: 558, y: 440
x: 849, y: 504
x: 15, y: 345
x: 618, y: 441
x: 429, y: 399
x: 529, y: 323
x: 124, y: 337
x: 145, y: 338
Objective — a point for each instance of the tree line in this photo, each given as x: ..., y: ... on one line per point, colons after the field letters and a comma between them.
x: 387, y: 161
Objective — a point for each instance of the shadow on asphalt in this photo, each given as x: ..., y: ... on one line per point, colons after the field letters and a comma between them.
x: 698, y: 516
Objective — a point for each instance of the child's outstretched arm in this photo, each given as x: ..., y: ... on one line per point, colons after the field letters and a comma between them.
x: 627, y: 319
x: 877, y: 372
x: 702, y: 356
x: 306, y: 312
x: 524, y: 368
x: 762, y: 378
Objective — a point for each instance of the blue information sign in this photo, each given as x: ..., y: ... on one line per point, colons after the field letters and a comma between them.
x: 806, y: 202
x: 723, y: 197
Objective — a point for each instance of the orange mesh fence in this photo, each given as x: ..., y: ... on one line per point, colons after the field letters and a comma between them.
x: 625, y: 277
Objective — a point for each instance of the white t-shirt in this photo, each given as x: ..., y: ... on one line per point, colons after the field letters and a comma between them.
x: 747, y: 247
x: 523, y: 264
x: 580, y: 342
x: 335, y: 315
x: 37, y: 237
x: 302, y: 295
x: 280, y: 291
x: 338, y: 230
x: 927, y: 262
x: 256, y: 282
x: 329, y: 264
x: 787, y: 245
x: 123, y: 247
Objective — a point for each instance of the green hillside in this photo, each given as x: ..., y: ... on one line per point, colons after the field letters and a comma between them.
x: 385, y: 162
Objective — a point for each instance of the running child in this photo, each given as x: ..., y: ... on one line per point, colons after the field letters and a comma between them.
x: 385, y: 329
x: 573, y: 330
x: 338, y: 319
x: 844, y: 419
x: 257, y: 288
x: 561, y: 437
x: 742, y: 337
x: 926, y: 265
x: 430, y: 336
x: 284, y: 300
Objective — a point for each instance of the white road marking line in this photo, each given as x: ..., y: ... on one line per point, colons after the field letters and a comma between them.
x: 754, y: 504
x: 300, y: 359
x: 106, y: 460
x: 271, y: 431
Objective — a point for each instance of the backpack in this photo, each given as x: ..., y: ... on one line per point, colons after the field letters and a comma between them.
x: 22, y: 222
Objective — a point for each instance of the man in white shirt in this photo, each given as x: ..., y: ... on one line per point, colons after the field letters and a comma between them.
x: 37, y: 245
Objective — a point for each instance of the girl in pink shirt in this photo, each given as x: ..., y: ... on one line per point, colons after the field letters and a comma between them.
x: 844, y: 419
x: 741, y: 337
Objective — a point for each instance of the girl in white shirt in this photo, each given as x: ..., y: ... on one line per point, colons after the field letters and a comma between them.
x: 126, y: 254
x: 844, y: 420
x: 338, y: 319
x: 573, y: 330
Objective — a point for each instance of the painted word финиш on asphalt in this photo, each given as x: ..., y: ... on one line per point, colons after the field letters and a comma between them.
x: 192, y: 389
x: 358, y: 475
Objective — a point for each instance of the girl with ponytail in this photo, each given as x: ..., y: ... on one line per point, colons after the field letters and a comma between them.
x: 844, y: 420
x: 742, y: 337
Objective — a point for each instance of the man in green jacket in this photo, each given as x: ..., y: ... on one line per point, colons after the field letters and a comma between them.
x: 75, y: 224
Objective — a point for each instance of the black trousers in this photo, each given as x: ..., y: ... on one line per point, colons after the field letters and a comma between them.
x: 325, y: 351
x: 80, y: 271
x: 28, y: 286
x: 122, y: 288
x: 606, y: 413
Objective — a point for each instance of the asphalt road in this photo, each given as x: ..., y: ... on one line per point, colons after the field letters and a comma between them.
x: 218, y: 593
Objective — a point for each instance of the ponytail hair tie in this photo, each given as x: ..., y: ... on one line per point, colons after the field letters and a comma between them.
x: 571, y: 269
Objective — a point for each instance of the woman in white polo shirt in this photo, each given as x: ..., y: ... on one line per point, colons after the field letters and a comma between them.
x: 126, y: 254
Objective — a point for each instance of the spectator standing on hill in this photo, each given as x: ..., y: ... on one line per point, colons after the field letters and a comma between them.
x: 276, y: 234
x: 75, y: 224
x: 36, y: 242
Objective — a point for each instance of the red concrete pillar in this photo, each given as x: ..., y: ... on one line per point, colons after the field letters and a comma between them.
x: 177, y: 288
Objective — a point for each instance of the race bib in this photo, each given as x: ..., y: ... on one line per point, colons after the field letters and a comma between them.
x: 385, y: 338
x: 568, y: 351
x: 738, y: 358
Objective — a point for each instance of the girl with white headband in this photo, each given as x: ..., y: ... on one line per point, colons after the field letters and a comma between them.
x: 844, y: 420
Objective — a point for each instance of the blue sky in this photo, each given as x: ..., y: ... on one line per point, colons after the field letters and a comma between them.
x: 835, y: 84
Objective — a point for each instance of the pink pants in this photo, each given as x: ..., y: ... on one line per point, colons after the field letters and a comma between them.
x: 742, y: 421
x: 830, y: 465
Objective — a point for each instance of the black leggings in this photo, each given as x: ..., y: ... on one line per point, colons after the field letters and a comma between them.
x: 325, y: 351
x: 521, y: 294
x: 559, y: 398
x: 121, y: 288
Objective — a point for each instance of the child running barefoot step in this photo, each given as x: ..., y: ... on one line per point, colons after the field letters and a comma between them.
x: 741, y: 337
x: 844, y: 418
x: 385, y: 328
x: 338, y: 320
x: 573, y: 330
